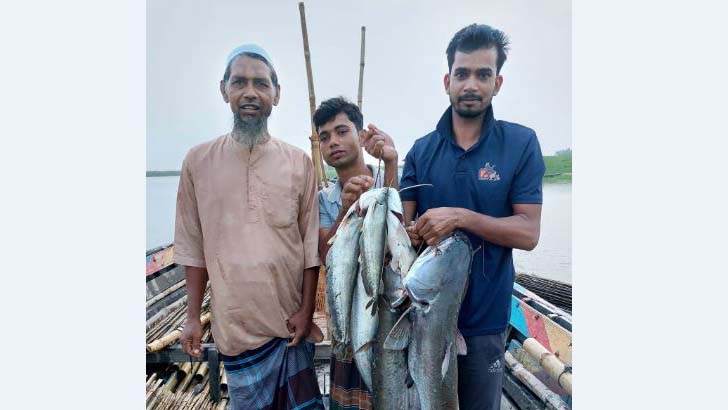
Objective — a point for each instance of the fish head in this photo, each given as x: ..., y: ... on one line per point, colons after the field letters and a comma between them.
x: 370, y: 197
x: 437, y: 269
x: 394, y: 202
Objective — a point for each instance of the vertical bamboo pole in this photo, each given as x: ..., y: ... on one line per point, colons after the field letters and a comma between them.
x: 361, y: 68
x: 315, y: 148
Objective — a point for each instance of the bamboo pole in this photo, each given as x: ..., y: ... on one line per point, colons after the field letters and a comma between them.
x: 188, y: 378
x: 151, y: 380
x: 315, y: 144
x: 555, y: 367
x: 172, y: 337
x: 166, y: 292
x: 164, y: 313
x: 361, y: 69
x: 534, y: 384
x: 152, y: 391
x: 223, y: 404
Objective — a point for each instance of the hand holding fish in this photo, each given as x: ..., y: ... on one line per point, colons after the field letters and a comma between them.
x: 437, y: 223
x: 353, y: 189
x: 415, y: 237
x: 378, y: 144
x: 300, y: 326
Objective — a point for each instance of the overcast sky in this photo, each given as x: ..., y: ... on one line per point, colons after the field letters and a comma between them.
x: 188, y: 41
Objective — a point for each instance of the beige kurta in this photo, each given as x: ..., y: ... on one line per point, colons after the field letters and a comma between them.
x: 250, y: 218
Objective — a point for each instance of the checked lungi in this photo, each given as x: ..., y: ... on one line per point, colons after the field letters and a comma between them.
x: 273, y: 377
x: 348, y: 391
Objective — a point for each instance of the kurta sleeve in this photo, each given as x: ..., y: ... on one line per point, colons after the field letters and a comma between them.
x: 188, y: 249
x: 308, y: 217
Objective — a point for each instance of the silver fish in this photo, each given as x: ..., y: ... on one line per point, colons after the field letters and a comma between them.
x: 373, y: 243
x: 363, y: 332
x: 341, y: 270
x: 436, y: 284
x: 398, y: 242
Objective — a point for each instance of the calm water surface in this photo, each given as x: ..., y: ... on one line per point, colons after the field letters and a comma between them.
x: 551, y: 258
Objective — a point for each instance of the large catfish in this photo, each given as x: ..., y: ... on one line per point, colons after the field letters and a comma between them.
x: 389, y: 370
x: 436, y: 284
x: 341, y: 270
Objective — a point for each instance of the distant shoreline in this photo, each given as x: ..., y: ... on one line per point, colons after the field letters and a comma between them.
x: 558, y: 170
x: 163, y: 174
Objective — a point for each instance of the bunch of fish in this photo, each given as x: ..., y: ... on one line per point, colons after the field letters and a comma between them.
x: 398, y: 320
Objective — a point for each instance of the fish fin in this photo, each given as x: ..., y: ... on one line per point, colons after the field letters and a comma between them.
x: 398, y: 302
x: 374, y: 306
x: 462, y: 348
x: 399, y: 336
x: 409, y: 381
x: 363, y: 347
x: 446, y: 360
x: 338, y: 350
x: 348, y: 353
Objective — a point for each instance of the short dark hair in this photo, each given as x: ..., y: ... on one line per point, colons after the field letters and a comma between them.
x: 333, y: 107
x: 475, y: 37
x: 273, y: 75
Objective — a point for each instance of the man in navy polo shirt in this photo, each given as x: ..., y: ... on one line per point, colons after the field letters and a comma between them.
x: 486, y: 176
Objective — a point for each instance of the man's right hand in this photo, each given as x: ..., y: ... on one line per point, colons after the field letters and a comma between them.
x: 190, y: 337
x: 414, y: 236
x: 353, y: 189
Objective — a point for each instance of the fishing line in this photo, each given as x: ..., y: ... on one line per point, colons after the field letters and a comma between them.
x: 414, y: 186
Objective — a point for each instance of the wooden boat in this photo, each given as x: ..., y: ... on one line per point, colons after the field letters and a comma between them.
x: 527, y: 384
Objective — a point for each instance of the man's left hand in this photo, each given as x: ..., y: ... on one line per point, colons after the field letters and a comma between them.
x: 300, y: 326
x: 378, y: 144
x: 437, y: 223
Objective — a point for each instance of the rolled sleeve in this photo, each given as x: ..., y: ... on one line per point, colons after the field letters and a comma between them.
x: 325, y: 220
x: 527, y: 185
x: 188, y: 248
x: 308, y: 217
x: 409, y: 177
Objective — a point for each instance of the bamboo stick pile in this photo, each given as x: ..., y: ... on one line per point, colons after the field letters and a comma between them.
x: 553, y: 291
x: 165, y: 330
x: 186, y: 385
x: 552, y: 400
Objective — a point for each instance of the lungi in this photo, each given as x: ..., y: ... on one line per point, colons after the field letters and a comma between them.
x: 348, y: 391
x: 273, y: 377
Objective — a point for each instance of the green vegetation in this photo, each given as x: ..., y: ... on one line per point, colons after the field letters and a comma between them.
x: 558, y: 169
x: 163, y: 173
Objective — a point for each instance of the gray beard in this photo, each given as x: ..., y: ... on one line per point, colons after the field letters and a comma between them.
x: 249, y: 132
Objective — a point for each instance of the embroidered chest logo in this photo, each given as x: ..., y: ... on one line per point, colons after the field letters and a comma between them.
x: 488, y: 173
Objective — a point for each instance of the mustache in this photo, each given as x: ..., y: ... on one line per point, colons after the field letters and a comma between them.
x: 470, y: 97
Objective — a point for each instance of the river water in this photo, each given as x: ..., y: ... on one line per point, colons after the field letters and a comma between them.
x: 551, y: 258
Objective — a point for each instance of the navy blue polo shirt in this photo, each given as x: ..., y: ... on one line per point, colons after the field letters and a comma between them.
x: 503, y: 168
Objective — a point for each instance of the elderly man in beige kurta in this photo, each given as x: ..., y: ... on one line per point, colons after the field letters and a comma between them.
x: 247, y: 220
x: 251, y: 218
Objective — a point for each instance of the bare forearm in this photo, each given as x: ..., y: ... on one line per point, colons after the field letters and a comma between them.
x: 195, y: 282
x: 310, y: 283
x: 518, y: 231
x: 391, y: 174
x: 410, y: 208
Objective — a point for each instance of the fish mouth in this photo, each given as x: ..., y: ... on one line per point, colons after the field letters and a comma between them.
x: 420, y: 302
